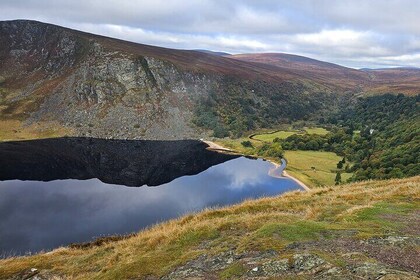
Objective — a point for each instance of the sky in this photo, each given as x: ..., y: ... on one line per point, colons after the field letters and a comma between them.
x: 356, y: 33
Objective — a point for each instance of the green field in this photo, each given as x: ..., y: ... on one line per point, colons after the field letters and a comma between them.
x: 269, y: 137
x: 235, y: 145
x: 300, y: 165
x: 316, y: 130
x: 283, y: 134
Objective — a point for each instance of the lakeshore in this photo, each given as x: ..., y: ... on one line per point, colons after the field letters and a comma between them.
x: 283, y: 173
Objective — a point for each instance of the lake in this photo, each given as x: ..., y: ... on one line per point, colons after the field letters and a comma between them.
x: 54, y: 192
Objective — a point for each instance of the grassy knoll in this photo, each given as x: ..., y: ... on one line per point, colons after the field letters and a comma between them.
x: 345, y: 231
x: 300, y: 165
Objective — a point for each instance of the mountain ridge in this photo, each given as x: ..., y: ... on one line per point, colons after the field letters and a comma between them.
x: 98, y: 86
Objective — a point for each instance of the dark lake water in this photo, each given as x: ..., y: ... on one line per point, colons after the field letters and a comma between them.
x: 59, y: 191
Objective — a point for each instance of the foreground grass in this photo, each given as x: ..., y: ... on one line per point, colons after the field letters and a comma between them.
x: 314, y: 168
x: 257, y: 225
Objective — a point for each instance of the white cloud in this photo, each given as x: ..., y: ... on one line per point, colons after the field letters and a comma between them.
x: 352, y: 33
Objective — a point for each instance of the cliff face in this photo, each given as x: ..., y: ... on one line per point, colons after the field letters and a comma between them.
x: 50, y: 73
x: 113, y: 94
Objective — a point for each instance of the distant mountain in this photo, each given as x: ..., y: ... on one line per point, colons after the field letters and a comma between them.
x: 391, y: 68
x: 214, y: 53
x: 322, y: 72
x: 103, y: 87
x: 400, y: 80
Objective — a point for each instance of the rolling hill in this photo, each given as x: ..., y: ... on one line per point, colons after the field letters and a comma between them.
x: 397, y: 80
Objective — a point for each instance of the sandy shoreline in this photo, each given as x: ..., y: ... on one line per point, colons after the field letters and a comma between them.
x: 216, y: 147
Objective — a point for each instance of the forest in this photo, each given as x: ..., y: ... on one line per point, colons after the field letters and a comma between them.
x: 379, y: 135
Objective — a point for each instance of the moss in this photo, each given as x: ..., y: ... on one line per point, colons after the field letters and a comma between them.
x: 194, y: 237
x: 233, y: 271
x: 374, y: 220
x: 376, y: 213
x: 298, y: 231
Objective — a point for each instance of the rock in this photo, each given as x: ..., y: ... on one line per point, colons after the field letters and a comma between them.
x: 255, y: 269
x: 305, y: 262
x: 275, y: 267
x: 378, y: 271
x: 392, y: 241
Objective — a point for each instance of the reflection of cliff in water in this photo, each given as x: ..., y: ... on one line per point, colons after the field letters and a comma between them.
x: 123, y: 162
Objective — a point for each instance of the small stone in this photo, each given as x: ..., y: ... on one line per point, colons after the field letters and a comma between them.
x: 255, y: 269
x: 34, y: 269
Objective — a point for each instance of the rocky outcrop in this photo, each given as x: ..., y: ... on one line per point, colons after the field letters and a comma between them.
x: 270, y: 264
x: 126, y: 96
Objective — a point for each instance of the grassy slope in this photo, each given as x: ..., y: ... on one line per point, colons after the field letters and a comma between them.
x: 363, y: 210
x: 14, y: 130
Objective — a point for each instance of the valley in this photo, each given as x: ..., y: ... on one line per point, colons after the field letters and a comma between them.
x: 121, y: 160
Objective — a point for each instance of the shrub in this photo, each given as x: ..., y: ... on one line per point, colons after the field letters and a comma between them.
x: 247, y: 144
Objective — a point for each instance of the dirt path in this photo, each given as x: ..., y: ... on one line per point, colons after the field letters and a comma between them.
x: 273, y: 172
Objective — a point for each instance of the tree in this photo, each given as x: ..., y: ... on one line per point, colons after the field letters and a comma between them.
x: 338, y: 178
x: 220, y: 132
x: 340, y: 165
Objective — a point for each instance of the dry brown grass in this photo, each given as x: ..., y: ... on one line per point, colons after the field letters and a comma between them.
x: 247, y: 226
x: 13, y: 130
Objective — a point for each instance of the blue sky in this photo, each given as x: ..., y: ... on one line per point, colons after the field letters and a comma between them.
x: 368, y: 33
